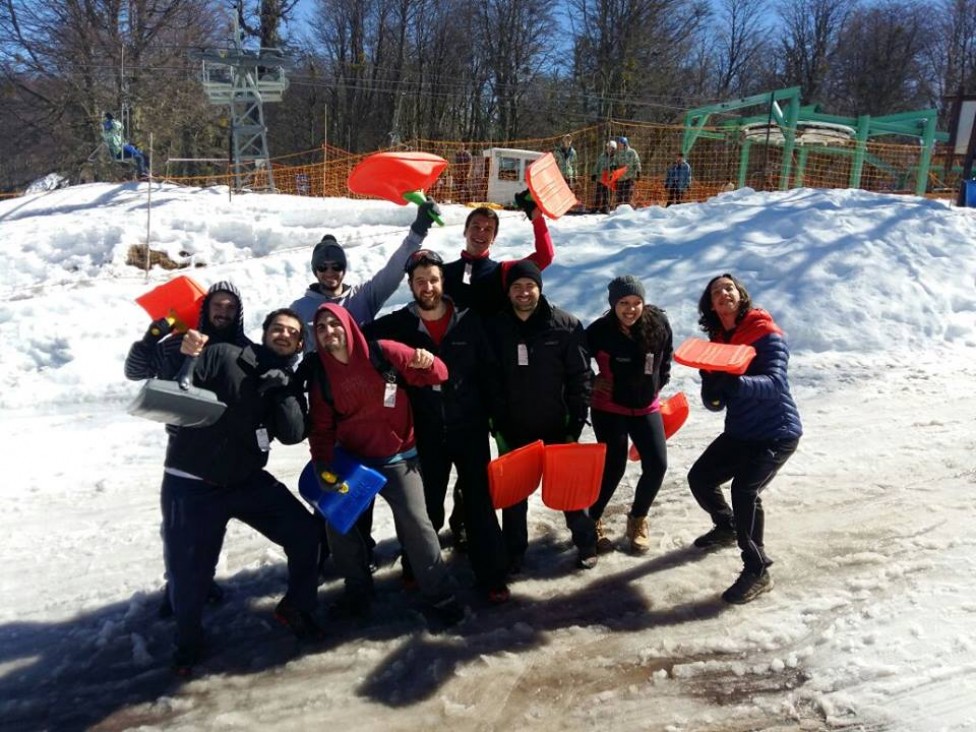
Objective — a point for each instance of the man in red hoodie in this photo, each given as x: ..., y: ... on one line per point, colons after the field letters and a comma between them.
x: 371, y: 418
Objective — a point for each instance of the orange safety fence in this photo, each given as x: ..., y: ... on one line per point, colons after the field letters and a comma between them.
x: 888, y: 168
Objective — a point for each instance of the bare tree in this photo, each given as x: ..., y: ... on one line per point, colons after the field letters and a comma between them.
x: 741, y: 49
x: 811, y: 30
x: 879, y: 65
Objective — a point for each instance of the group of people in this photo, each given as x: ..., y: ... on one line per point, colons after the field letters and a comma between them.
x: 479, y: 351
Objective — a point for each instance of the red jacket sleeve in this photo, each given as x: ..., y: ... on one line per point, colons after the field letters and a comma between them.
x: 400, y: 355
x: 544, y: 251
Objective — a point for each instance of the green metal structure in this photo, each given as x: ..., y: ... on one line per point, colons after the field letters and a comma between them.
x: 786, y: 122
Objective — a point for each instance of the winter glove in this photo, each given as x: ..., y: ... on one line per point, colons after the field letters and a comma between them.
x: 637, y: 176
x: 328, y: 480
x: 273, y: 380
x: 593, y: 177
x: 158, y: 329
x: 717, y: 387
x: 574, y: 428
x: 425, y: 217
x: 523, y: 199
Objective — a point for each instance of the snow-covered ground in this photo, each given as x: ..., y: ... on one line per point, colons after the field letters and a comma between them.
x: 871, y: 625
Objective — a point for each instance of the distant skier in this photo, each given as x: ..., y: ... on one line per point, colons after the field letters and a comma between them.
x: 119, y: 149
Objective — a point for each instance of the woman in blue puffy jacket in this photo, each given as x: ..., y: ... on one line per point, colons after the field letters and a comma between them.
x: 762, y: 431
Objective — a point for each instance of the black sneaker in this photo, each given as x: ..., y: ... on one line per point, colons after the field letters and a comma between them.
x: 523, y: 200
x: 357, y: 606
x: 748, y: 587
x: 586, y: 559
x: 447, y: 611
x: 299, y: 622
x: 185, y: 657
x: 719, y: 536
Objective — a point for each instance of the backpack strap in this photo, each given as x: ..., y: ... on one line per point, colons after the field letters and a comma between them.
x: 312, y: 373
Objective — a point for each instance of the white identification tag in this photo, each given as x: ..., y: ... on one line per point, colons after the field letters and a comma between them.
x: 264, y: 442
x: 523, y: 355
x: 389, y: 394
x: 436, y: 387
x: 649, y: 364
x: 466, y: 278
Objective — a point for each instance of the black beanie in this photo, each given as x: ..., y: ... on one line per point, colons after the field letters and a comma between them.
x: 328, y: 250
x: 622, y: 287
x: 523, y: 268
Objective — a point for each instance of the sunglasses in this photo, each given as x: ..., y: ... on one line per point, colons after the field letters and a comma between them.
x: 425, y: 257
x: 329, y: 267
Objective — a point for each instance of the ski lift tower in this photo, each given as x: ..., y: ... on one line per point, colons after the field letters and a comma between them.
x: 244, y: 80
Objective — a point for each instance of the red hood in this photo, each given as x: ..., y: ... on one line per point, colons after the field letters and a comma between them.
x: 355, y: 340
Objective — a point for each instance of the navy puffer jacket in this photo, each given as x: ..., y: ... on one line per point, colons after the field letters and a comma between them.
x: 758, y: 404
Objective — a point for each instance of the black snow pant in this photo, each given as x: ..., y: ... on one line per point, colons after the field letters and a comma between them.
x: 469, y: 452
x: 647, y: 432
x: 750, y: 465
x: 195, y: 517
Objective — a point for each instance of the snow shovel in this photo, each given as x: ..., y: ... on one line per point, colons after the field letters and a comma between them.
x: 179, y: 301
x: 399, y: 177
x: 609, y: 179
x: 549, y: 189
x: 514, y: 476
x: 701, y: 354
x: 571, y: 475
x: 674, y: 412
x: 341, y: 508
x: 177, y: 402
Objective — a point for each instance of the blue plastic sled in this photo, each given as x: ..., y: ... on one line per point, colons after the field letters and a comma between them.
x: 342, y: 509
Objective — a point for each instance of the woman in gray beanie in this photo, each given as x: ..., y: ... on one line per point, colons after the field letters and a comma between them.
x: 632, y: 345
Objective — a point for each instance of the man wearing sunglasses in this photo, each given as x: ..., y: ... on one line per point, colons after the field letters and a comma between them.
x: 365, y: 299
x: 451, y: 419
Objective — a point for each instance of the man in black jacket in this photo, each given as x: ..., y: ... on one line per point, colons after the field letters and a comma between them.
x: 546, y: 383
x: 451, y: 420
x: 216, y: 473
x: 157, y: 356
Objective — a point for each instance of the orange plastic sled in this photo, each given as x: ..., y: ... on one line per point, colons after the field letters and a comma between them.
x: 549, y: 189
x: 674, y: 413
x: 701, y: 354
x: 571, y: 475
x: 180, y: 300
x: 399, y: 177
x: 514, y: 476
x: 610, y: 179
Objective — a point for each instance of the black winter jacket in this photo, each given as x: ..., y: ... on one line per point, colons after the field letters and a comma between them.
x: 462, y: 402
x: 227, y: 452
x: 484, y: 293
x: 549, y: 398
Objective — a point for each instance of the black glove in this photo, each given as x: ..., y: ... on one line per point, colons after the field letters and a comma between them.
x: 593, y: 177
x: 637, y: 176
x: 425, y: 217
x: 574, y: 428
x: 273, y: 380
x: 157, y: 329
x: 523, y: 199
x: 717, y: 387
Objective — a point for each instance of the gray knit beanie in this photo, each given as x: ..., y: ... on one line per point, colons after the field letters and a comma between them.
x: 622, y: 287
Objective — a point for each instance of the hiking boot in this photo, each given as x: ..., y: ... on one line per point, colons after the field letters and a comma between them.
x: 719, y: 536
x: 748, y: 587
x: 603, y: 543
x: 299, y: 622
x: 447, y: 611
x: 185, y: 657
x: 523, y: 200
x: 637, y: 533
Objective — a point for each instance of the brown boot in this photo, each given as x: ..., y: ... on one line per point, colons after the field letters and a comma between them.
x: 603, y: 543
x: 637, y: 534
